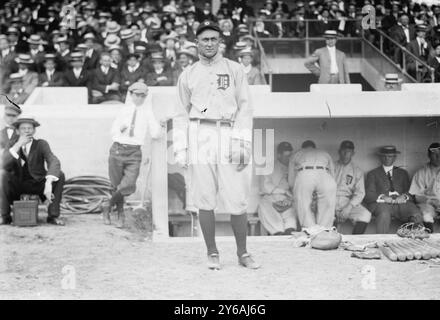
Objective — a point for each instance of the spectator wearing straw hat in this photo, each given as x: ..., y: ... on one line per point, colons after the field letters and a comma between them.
x: 77, y: 75
x: 420, y: 48
x: 184, y: 59
x: 29, y: 78
x: 169, y: 51
x: 8, y: 133
x: 91, y: 54
x: 392, y: 82
x: 112, y: 40
x: 160, y: 76
x: 13, y: 37
x: 36, y: 51
x: 116, y: 57
x: 6, y: 60
x: 128, y: 45
x: 16, y: 90
x: 105, y: 81
x: 254, y: 75
x: 434, y: 61
x: 50, y: 77
x: 63, y: 49
x: 328, y: 63
x: 387, y: 194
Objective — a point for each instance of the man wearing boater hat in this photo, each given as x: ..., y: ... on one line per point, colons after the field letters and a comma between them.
x: 128, y: 134
x: 212, y: 138
x: 12, y: 111
x: 25, y: 160
x: 328, y: 63
x: 386, y: 192
x: 425, y: 186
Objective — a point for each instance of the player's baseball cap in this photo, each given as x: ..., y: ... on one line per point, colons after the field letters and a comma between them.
x: 284, y: 146
x: 434, y: 147
x: 346, y: 144
x: 205, y: 25
x: 139, y: 88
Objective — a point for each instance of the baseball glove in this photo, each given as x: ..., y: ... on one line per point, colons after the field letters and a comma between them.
x: 282, y: 205
x: 413, y: 230
x: 326, y: 240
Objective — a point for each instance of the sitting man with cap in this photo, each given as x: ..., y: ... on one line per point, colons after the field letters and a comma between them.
x: 50, y: 77
x: 350, y: 190
x: 328, y: 63
x: 392, y: 82
x: 311, y: 172
x: 8, y: 133
x: 25, y: 160
x: 425, y: 186
x: 386, y: 192
x: 131, y: 73
x: 275, y: 209
x: 129, y: 131
x: 159, y: 76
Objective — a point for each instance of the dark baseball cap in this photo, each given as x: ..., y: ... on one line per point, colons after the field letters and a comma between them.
x: 346, y: 144
x: 434, y: 146
x: 308, y: 144
x: 205, y: 25
x: 284, y: 146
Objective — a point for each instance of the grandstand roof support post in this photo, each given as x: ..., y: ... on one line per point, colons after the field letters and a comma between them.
x: 307, y: 44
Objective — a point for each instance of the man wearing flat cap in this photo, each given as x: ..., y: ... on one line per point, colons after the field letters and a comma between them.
x: 128, y: 132
x: 425, y: 186
x: 212, y: 137
x: 329, y: 63
x: 131, y: 72
x: 350, y: 190
x: 386, y: 192
x: 25, y: 160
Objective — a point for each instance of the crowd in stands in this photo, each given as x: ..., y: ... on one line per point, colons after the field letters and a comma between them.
x: 108, y: 45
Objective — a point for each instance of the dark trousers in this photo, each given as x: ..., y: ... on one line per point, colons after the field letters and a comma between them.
x: 13, y: 187
x: 406, y: 212
x: 123, y: 165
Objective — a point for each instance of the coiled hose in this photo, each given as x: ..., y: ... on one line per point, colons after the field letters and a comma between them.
x: 85, y: 194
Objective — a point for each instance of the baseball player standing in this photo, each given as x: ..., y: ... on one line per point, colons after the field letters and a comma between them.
x: 312, y: 171
x: 212, y: 137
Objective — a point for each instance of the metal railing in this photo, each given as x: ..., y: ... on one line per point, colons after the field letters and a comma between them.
x: 264, y: 63
x: 413, y: 68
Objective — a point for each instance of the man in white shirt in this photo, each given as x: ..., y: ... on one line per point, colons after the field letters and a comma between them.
x: 328, y: 63
x: 128, y: 134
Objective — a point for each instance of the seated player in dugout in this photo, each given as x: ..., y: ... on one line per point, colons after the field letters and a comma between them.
x: 275, y: 209
x: 350, y: 190
x: 129, y: 131
x: 24, y: 161
x: 425, y: 186
x: 311, y: 175
x: 386, y: 192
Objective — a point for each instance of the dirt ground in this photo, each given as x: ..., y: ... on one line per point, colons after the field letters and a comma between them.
x: 102, y: 262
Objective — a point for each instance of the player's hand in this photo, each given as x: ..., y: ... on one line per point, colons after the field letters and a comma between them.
x: 400, y: 199
x: 48, y: 192
x: 162, y: 78
x: 345, y: 212
x: 387, y: 199
x: 181, y: 158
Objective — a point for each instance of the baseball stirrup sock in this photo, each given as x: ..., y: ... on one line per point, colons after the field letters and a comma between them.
x: 359, y: 227
x: 117, y: 197
x: 207, y: 223
x: 239, y: 226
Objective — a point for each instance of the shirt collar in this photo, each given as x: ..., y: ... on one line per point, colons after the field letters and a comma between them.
x: 207, y: 62
x: 388, y: 168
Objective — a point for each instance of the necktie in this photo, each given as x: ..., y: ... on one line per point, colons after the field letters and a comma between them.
x: 390, y: 178
x: 25, y: 153
x: 132, y: 125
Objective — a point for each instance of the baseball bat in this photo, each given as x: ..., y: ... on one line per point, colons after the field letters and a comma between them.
x: 414, y: 250
x: 425, y: 254
x: 427, y: 249
x: 401, y: 256
x: 435, y: 251
x: 407, y: 252
x: 388, y: 253
x: 432, y: 243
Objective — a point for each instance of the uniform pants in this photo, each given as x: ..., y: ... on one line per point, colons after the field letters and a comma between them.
x: 357, y: 213
x: 272, y: 220
x: 124, y: 164
x: 215, y: 182
x: 321, y: 182
x: 13, y: 187
x: 429, y: 212
x: 405, y: 212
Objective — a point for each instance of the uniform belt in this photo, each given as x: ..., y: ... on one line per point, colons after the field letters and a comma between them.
x: 223, y: 122
x: 127, y: 146
x: 312, y: 167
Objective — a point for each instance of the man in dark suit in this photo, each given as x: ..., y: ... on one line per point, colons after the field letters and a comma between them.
x: 77, y: 75
x: 105, y: 81
x: 420, y: 48
x: 131, y: 73
x: 160, y: 76
x: 12, y: 111
x: 387, y: 194
x: 403, y: 33
x: 91, y: 55
x: 24, y: 161
x: 434, y: 61
x: 50, y: 77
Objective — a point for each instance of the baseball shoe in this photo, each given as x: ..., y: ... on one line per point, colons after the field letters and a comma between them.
x: 246, y: 261
x: 55, y: 221
x: 121, y: 216
x: 105, y: 208
x: 5, y: 220
x: 214, y: 261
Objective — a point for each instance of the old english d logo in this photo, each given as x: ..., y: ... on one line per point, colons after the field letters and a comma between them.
x: 348, y: 179
x: 222, y: 81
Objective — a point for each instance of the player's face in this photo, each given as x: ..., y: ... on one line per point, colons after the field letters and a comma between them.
x: 138, y: 98
x: 208, y: 42
x: 345, y: 155
x: 285, y: 157
x: 10, y: 118
x: 246, y: 60
x: 434, y: 157
x: 331, y: 42
x: 183, y: 60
